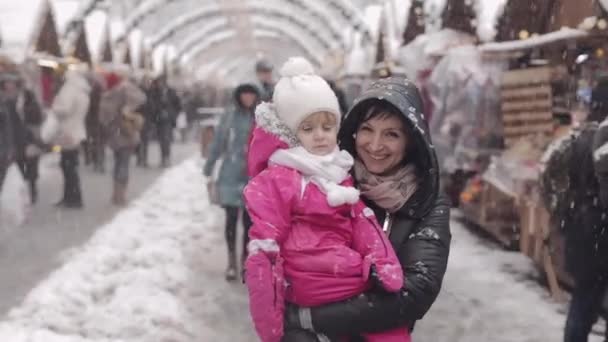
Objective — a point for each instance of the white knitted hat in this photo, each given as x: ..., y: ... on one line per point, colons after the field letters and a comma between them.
x: 300, y: 92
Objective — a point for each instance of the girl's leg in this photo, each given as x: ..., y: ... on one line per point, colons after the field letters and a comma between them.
x: 246, y: 225
x: 232, y: 216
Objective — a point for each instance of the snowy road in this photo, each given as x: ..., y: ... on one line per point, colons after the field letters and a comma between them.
x: 154, y: 274
x: 30, y: 253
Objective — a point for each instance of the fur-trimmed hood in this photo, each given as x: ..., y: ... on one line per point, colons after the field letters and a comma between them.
x: 268, y: 136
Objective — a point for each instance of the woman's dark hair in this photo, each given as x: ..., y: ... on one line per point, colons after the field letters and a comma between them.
x: 379, y: 109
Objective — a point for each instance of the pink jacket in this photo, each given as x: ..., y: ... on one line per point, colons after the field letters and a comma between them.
x: 303, y: 250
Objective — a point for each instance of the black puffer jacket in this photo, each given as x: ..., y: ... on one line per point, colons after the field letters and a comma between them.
x: 420, y: 231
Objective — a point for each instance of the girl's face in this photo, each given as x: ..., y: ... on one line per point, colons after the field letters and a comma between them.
x: 318, y: 133
x: 381, y: 143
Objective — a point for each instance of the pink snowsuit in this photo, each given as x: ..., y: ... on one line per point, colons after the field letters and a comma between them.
x: 304, y: 251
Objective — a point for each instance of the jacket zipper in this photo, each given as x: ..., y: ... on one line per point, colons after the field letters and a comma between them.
x: 388, y: 224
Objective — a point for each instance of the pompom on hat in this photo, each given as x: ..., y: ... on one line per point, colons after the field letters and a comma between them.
x: 301, y: 92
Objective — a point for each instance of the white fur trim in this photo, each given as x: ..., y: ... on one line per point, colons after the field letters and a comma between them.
x: 265, y: 245
x: 266, y: 118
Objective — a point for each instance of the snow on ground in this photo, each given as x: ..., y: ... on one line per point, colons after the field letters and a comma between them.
x: 490, y: 294
x: 153, y: 274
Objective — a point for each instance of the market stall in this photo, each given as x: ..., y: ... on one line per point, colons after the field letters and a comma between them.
x: 30, y: 39
x: 545, y: 92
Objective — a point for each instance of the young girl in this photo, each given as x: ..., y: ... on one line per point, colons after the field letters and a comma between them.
x: 313, y: 241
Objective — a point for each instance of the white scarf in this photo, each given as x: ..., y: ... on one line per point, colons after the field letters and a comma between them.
x: 327, y: 172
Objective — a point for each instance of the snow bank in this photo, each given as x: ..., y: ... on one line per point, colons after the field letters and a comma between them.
x: 490, y: 294
x: 141, y: 278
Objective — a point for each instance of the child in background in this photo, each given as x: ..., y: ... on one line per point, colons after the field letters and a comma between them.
x: 313, y: 241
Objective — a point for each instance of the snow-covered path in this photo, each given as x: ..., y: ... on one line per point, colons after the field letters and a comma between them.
x: 491, y: 295
x: 155, y: 274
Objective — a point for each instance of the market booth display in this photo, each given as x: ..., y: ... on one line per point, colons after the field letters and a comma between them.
x: 544, y: 91
x: 33, y: 44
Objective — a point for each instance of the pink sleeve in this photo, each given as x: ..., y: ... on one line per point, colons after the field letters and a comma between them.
x: 372, y: 243
x: 269, y: 199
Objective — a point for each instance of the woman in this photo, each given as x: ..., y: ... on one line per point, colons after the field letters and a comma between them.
x: 65, y: 127
x: 117, y: 114
x: 230, y: 143
x: 396, y: 170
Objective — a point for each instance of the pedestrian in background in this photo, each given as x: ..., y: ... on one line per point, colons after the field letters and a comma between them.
x: 122, y: 124
x: 26, y: 118
x: 163, y: 107
x: 65, y: 127
x: 230, y: 145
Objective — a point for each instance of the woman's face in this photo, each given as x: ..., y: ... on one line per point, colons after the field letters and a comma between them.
x: 381, y: 143
x: 248, y: 99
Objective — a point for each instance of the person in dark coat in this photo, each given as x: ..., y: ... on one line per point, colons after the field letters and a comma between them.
x: 572, y: 193
x: 265, y: 82
x: 163, y: 106
x: 340, y: 95
x: 418, y: 228
x: 96, y: 140
x: 6, y: 142
x: 26, y: 118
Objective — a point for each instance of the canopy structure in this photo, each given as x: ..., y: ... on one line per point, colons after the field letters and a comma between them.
x: 200, y: 30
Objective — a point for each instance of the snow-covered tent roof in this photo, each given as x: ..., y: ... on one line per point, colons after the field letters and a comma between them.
x: 65, y: 11
x: 433, y: 10
x: 371, y: 16
x: 419, y: 54
x: 23, y: 22
x: 391, y: 30
x: 97, y: 30
x: 357, y: 62
x: 400, y: 10
x: 488, y: 14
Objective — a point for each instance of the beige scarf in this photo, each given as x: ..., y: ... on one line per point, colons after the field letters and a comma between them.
x: 388, y: 192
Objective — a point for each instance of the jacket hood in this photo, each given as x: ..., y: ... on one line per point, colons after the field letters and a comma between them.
x: 268, y: 136
x: 404, y: 96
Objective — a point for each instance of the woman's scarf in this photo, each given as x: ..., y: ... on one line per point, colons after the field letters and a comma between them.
x: 327, y: 172
x: 389, y: 192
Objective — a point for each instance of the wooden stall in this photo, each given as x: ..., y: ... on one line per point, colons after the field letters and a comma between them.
x: 527, y: 101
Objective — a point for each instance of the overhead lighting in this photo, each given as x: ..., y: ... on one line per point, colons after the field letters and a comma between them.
x: 582, y: 58
x: 47, y: 63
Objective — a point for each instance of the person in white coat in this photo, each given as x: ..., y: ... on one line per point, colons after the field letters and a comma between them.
x: 65, y: 127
